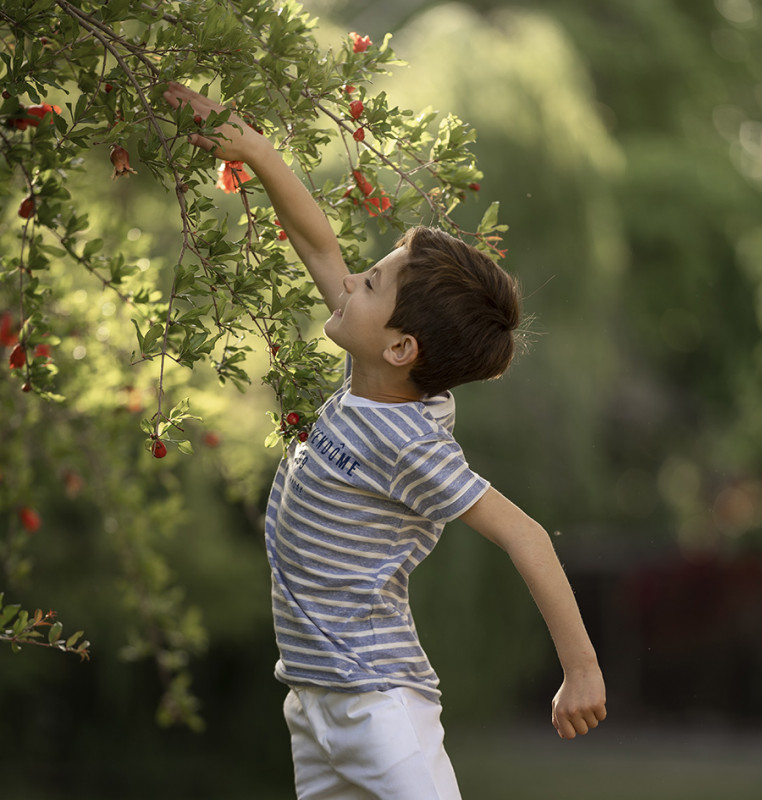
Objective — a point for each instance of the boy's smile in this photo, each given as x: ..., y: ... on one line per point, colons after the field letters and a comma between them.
x: 358, y: 325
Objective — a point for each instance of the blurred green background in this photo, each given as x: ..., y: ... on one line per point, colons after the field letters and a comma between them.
x: 624, y: 142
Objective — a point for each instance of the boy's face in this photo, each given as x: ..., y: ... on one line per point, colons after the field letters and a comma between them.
x: 366, y: 305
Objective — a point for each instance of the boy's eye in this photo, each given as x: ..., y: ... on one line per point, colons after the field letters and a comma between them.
x: 367, y: 283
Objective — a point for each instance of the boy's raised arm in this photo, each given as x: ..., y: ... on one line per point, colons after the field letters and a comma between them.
x: 307, y: 227
x: 580, y: 703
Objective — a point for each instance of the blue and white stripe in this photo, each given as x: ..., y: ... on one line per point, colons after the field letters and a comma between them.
x: 352, y: 512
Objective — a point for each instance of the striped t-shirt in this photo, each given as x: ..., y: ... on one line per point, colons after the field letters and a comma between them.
x: 352, y: 511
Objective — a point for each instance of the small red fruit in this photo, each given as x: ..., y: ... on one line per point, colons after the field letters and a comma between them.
x: 108, y: 87
x: 26, y: 209
x: 18, y: 357
x: 197, y: 119
x: 282, y: 235
x: 474, y: 187
x: 356, y: 108
x: 159, y: 449
x: 292, y: 418
x: 349, y: 88
x: 274, y: 349
x: 359, y: 135
x: 120, y: 158
x: 30, y: 519
x: 212, y: 439
x: 303, y: 436
x: 6, y: 94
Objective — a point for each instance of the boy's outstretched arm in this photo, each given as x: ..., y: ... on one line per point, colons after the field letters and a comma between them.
x: 580, y: 703
x: 307, y: 227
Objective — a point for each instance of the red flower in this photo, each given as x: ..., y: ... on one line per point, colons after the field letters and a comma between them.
x: 282, y: 235
x: 474, y: 187
x: 30, y: 519
x: 381, y: 204
x: 18, y: 357
x: 26, y: 209
x: 42, y: 351
x: 365, y: 185
x: 359, y: 135
x: 120, y: 158
x: 360, y: 43
x: 8, y: 336
x: 230, y: 176
x: 349, y: 88
x: 356, y: 108
x: 38, y: 113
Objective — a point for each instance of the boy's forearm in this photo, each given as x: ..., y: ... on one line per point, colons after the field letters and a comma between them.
x: 532, y: 553
x: 307, y: 227
x: 580, y: 703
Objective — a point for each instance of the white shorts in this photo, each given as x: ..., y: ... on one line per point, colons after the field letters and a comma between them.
x: 368, y: 746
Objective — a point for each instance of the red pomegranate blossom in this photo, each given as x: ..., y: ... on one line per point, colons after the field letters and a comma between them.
x: 34, y: 115
x: 374, y: 205
x: 18, y: 357
x: 356, y: 108
x: 8, y: 336
x: 26, y: 209
x: 359, y: 43
x: 230, y: 176
x: 120, y: 158
x: 30, y: 519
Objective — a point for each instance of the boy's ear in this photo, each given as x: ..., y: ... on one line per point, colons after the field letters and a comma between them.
x: 403, y: 351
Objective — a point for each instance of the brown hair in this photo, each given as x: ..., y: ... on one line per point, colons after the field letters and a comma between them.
x: 461, y: 308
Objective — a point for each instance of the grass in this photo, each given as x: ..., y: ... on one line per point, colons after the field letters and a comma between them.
x: 609, y: 764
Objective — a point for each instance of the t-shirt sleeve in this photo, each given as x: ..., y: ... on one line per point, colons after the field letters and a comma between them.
x: 434, y: 479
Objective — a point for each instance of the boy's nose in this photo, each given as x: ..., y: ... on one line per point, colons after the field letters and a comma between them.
x: 348, y: 282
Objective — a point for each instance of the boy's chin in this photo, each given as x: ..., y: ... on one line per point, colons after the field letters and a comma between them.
x: 330, y: 335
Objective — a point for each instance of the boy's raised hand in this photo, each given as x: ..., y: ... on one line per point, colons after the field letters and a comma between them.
x: 235, y: 136
x: 309, y: 232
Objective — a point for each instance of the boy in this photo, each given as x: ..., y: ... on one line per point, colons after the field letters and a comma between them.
x: 358, y: 505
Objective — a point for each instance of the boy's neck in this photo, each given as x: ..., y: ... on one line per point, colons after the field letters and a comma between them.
x: 382, y: 388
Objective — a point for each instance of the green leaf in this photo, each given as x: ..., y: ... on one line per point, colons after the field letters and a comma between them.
x: 185, y: 447
x: 155, y: 332
x: 55, y: 632
x: 92, y: 247
x: 8, y: 613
